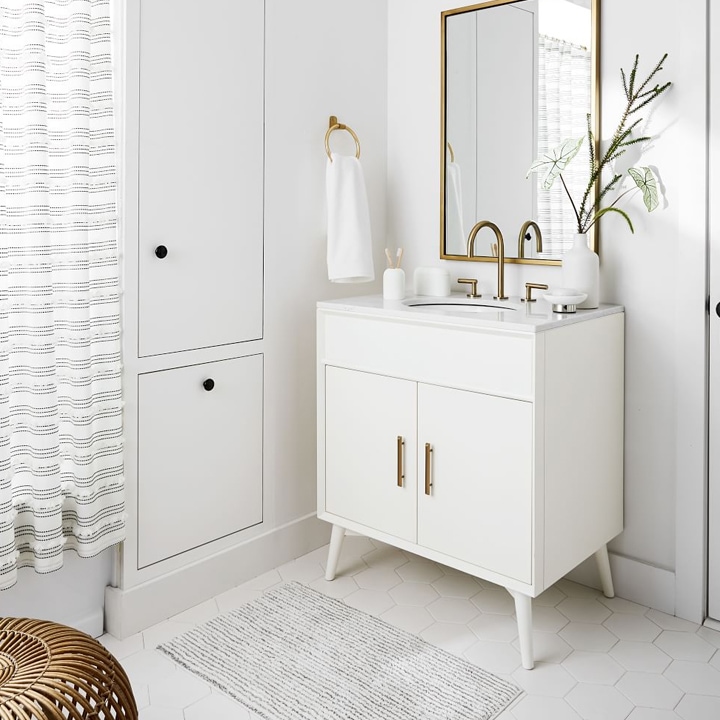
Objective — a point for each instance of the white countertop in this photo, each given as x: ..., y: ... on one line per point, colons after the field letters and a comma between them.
x: 458, y: 309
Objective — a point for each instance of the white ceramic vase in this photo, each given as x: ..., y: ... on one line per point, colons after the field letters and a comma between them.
x: 581, y: 271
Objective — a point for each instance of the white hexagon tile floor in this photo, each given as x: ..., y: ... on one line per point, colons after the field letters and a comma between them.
x: 596, y: 658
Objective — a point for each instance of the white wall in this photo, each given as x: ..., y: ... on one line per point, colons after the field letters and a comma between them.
x: 72, y: 595
x: 326, y: 57
x: 658, y: 273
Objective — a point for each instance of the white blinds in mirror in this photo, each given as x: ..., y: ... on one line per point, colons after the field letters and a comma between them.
x: 563, y: 98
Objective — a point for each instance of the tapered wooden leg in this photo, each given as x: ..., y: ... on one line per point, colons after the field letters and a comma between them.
x: 336, y: 541
x: 523, y: 611
x: 603, y: 563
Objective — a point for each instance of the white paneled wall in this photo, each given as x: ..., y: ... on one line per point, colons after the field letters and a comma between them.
x: 310, y: 70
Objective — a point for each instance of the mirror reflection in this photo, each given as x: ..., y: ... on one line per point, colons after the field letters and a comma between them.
x: 517, y: 82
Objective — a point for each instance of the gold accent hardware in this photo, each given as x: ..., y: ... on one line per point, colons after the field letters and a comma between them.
x: 525, y: 235
x: 500, y: 253
x: 473, y: 287
x: 452, y: 153
x: 428, y: 465
x: 400, y: 471
x: 529, y: 287
x: 335, y: 125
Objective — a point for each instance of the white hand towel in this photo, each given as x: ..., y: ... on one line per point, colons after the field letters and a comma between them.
x: 349, y: 242
x: 455, y: 238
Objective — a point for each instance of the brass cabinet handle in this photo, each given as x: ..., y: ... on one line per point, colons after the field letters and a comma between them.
x: 400, y: 471
x: 428, y: 465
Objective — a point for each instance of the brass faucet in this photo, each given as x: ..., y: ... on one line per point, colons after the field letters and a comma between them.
x: 500, y: 254
x: 525, y: 236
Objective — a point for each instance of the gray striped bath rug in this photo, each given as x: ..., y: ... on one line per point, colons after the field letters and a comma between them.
x: 296, y: 654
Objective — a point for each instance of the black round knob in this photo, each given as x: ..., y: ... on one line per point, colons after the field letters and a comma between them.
x: 209, y: 384
x: 161, y: 251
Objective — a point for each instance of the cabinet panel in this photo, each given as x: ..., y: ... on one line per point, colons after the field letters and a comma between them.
x: 200, y: 174
x: 480, y: 503
x: 199, y: 455
x: 364, y: 415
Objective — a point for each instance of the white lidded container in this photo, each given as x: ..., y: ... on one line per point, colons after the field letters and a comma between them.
x: 431, y: 281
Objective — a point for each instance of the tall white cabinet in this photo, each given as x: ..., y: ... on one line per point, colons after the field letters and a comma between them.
x: 193, y: 310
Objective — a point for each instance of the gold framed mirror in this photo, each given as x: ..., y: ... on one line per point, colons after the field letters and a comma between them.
x: 518, y: 78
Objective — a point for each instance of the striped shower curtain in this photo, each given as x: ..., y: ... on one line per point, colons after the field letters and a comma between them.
x: 61, y: 447
x: 564, y: 89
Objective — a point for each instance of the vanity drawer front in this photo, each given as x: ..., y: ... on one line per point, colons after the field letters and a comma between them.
x: 498, y: 363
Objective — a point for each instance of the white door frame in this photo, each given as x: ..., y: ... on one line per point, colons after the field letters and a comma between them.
x: 713, y: 610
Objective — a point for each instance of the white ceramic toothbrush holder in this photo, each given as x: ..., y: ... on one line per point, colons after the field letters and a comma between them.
x: 394, y: 284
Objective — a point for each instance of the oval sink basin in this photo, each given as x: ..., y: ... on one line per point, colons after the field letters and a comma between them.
x: 457, y: 306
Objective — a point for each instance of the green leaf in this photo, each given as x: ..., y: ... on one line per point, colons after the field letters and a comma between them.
x: 646, y: 181
x: 600, y: 213
x: 555, y: 161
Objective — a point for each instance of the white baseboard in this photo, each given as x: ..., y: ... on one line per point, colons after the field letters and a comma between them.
x: 90, y: 624
x: 134, y: 609
x: 633, y: 580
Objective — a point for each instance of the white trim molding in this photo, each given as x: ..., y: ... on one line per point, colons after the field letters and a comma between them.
x: 634, y: 580
x: 137, y: 608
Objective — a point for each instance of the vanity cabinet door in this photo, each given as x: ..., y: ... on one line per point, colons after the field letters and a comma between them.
x: 479, y: 506
x: 199, y: 455
x: 364, y: 416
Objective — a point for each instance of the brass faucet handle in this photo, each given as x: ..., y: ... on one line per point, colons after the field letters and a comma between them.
x: 529, y: 287
x: 473, y: 287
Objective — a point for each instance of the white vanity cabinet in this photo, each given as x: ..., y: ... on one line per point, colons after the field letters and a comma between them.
x: 492, y: 443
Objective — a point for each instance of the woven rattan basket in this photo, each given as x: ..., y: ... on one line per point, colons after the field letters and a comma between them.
x: 49, y: 670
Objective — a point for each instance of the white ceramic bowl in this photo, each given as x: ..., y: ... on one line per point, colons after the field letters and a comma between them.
x: 555, y: 298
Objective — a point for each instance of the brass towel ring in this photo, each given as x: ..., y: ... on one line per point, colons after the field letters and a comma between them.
x: 335, y: 125
x: 452, y: 152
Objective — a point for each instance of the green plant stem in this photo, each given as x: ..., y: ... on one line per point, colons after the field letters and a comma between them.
x: 572, y: 202
x: 621, y: 139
